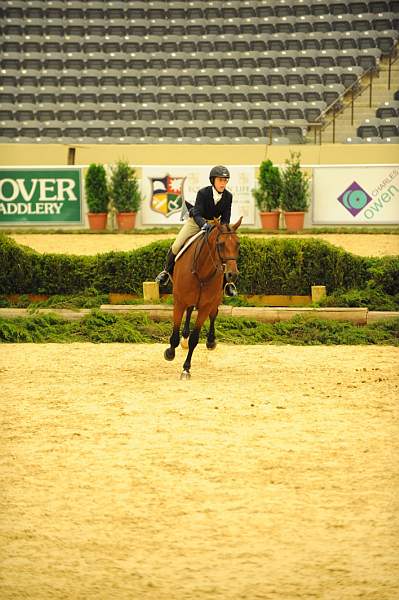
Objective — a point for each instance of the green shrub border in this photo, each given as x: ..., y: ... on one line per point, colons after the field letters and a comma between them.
x: 99, y: 327
x: 267, y: 266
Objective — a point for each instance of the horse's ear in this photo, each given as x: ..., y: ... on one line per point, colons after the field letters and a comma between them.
x: 236, y: 225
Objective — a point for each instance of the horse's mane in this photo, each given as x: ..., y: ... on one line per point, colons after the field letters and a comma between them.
x: 225, y: 227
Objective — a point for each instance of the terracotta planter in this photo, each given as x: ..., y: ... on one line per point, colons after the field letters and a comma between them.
x: 294, y: 220
x: 126, y: 220
x: 97, y: 221
x: 270, y: 220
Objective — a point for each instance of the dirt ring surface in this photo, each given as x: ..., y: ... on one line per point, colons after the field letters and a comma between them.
x: 272, y: 474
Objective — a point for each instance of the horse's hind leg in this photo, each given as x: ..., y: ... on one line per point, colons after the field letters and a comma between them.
x: 186, y: 327
x: 174, y: 339
x: 211, y: 340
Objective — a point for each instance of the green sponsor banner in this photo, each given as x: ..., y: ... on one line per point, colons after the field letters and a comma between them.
x: 41, y: 196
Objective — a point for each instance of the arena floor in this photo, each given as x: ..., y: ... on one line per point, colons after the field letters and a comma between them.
x: 361, y: 244
x: 271, y: 474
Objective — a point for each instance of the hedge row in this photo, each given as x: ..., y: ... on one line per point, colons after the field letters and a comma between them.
x: 273, y: 266
x: 100, y: 327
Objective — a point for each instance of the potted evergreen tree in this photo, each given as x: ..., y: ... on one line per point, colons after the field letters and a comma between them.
x: 295, y: 193
x: 97, y: 197
x: 125, y: 194
x: 268, y: 195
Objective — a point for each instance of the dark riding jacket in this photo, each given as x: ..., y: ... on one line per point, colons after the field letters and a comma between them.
x: 205, y: 208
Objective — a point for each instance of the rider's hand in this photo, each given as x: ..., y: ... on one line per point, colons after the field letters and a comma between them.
x: 206, y: 227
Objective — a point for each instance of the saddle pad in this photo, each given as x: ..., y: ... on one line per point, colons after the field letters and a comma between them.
x: 188, y: 243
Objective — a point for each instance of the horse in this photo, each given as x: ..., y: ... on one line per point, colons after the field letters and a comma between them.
x: 198, y: 283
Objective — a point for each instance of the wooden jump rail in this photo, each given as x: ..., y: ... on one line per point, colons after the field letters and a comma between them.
x: 159, y: 312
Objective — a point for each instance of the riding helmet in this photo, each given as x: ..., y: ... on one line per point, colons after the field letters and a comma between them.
x: 218, y: 171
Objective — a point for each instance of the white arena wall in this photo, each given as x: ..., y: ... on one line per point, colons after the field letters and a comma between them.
x: 355, y: 161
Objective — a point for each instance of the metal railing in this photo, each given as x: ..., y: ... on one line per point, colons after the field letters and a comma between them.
x: 339, y: 105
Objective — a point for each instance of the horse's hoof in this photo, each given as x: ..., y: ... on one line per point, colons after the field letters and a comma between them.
x: 184, y: 343
x: 211, y: 345
x: 169, y: 354
x: 185, y: 375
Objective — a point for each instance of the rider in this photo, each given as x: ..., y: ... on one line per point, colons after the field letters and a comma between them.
x: 213, y: 201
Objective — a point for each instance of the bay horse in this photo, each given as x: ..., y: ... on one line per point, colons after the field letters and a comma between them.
x: 198, y: 283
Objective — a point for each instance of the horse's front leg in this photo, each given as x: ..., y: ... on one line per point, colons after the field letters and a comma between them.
x: 192, y: 343
x: 174, y: 339
x: 186, y: 327
x: 211, y: 340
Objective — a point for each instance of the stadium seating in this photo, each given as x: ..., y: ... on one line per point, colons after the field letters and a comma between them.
x: 385, y: 125
x: 174, y: 72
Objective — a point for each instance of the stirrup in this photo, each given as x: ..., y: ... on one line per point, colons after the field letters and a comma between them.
x: 163, y: 278
x: 230, y: 289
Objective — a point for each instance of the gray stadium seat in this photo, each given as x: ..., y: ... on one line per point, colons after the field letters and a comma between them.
x: 378, y: 6
x: 369, y: 128
x: 369, y: 58
x: 389, y: 128
x: 313, y: 111
x: 357, y: 7
x: 319, y: 8
x: 388, y: 110
x: 300, y: 9
x: 386, y: 41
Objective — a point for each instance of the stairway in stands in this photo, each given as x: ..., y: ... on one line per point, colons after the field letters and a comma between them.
x: 344, y: 129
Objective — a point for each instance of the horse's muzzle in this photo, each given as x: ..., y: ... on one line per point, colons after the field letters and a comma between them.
x: 231, y: 276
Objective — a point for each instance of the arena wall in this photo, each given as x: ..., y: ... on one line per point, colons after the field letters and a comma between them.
x: 142, y: 156
x: 57, y: 154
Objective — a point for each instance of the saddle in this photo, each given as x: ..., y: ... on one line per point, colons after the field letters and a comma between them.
x: 188, y: 243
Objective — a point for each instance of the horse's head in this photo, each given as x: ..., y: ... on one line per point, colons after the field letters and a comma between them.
x: 228, y: 246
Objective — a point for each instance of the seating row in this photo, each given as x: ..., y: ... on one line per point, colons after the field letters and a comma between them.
x: 378, y: 127
x: 288, y: 59
x: 384, y: 40
x: 249, y: 133
x: 173, y: 80
x: 180, y: 10
x: 124, y: 29
x: 284, y: 111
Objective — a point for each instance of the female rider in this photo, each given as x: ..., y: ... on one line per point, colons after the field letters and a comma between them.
x: 212, y: 201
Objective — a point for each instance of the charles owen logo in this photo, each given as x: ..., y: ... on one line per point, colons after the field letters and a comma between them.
x: 354, y: 198
x: 167, y: 194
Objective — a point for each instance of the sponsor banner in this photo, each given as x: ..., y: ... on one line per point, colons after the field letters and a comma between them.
x: 354, y: 195
x: 166, y: 188
x: 40, y: 196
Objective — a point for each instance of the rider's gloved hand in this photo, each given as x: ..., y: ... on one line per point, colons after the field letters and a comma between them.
x: 206, y: 227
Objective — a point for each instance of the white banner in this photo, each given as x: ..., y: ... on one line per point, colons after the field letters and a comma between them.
x: 166, y: 188
x: 353, y: 195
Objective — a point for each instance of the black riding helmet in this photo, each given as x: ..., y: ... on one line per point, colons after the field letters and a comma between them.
x: 218, y: 171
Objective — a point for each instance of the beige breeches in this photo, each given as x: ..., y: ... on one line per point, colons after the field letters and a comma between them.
x: 189, y: 229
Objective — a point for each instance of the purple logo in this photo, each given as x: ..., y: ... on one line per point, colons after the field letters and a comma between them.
x: 354, y: 198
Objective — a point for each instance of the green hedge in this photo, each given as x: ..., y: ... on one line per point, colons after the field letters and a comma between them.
x: 104, y: 328
x: 273, y: 266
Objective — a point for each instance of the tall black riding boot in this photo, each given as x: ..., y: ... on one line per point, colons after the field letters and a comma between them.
x: 163, y: 277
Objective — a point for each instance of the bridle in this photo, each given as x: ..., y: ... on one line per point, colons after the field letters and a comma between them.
x: 218, y: 268
x: 224, y: 259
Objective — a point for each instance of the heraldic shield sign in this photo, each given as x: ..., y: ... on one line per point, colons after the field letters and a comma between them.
x: 167, y: 194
